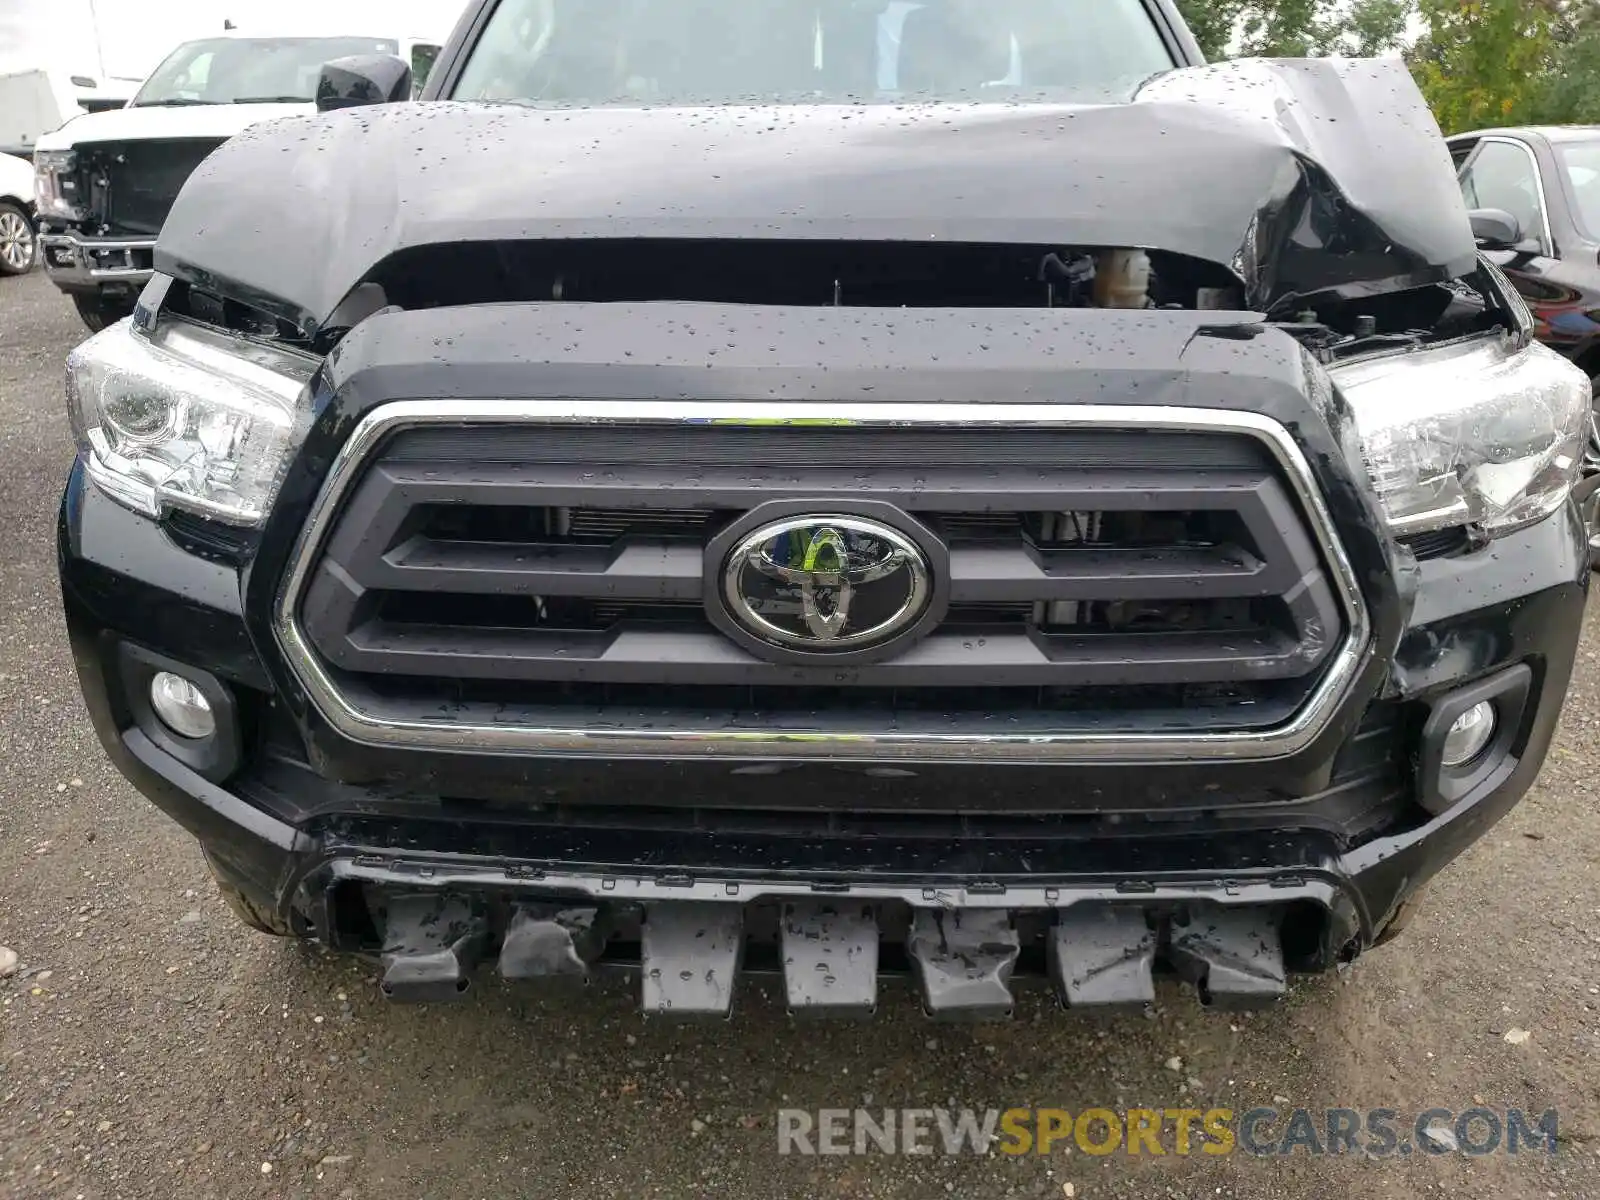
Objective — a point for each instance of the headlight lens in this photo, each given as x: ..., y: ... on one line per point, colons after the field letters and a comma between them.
x: 187, y: 418
x: 1480, y: 434
x: 55, y: 184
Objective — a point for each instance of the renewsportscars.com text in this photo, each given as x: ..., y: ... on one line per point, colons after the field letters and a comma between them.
x: 1376, y: 1132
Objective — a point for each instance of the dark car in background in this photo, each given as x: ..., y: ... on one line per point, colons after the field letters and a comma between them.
x: 1547, y: 179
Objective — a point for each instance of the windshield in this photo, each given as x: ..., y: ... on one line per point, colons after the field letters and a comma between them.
x: 810, y: 51
x: 1581, y: 162
x: 242, y: 70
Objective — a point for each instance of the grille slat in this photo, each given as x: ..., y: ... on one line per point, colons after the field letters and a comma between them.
x: 607, y: 525
x: 1014, y: 573
x: 673, y: 657
x: 638, y: 568
x: 977, y: 487
x: 808, y: 448
x: 612, y: 525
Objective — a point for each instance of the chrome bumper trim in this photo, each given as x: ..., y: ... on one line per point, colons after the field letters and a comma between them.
x: 94, y: 260
x: 578, y: 739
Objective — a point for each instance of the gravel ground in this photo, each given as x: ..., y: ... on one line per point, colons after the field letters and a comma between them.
x: 149, y: 1046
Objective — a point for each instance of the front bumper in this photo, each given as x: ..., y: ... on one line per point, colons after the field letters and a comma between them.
x: 79, y: 264
x: 1232, y: 914
x: 540, y: 865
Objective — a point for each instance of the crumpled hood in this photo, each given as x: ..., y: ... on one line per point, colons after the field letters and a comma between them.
x: 1303, y: 177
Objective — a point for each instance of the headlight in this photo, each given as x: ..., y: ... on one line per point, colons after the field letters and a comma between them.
x: 187, y: 418
x: 55, y: 184
x: 1478, y: 434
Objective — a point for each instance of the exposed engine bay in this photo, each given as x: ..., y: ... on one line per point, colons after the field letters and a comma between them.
x: 857, y: 274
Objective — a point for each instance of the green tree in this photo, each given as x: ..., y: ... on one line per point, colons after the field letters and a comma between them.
x: 1570, y: 90
x: 1480, y: 63
x: 1491, y: 62
x: 1296, y: 28
x: 1288, y: 28
x: 1376, y: 27
x: 1213, y: 23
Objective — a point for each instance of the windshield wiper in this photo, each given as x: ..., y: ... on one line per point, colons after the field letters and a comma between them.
x: 175, y: 102
x: 270, y: 100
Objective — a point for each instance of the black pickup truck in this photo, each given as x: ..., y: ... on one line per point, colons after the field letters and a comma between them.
x: 832, y: 487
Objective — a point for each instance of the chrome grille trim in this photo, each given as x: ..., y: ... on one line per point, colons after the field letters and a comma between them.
x: 843, y: 745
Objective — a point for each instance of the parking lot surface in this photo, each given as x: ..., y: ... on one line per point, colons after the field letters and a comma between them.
x: 152, y: 1047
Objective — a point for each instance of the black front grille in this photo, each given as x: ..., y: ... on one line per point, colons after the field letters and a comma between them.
x: 1439, y: 543
x: 1098, y: 577
x: 131, y: 186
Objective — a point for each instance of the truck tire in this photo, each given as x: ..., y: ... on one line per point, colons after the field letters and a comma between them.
x: 248, y: 911
x: 19, y: 248
x: 99, y: 313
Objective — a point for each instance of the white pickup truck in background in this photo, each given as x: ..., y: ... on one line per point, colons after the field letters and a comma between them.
x: 105, y: 181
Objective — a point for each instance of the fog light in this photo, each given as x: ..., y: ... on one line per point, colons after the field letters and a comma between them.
x: 181, y: 706
x: 1468, y: 735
